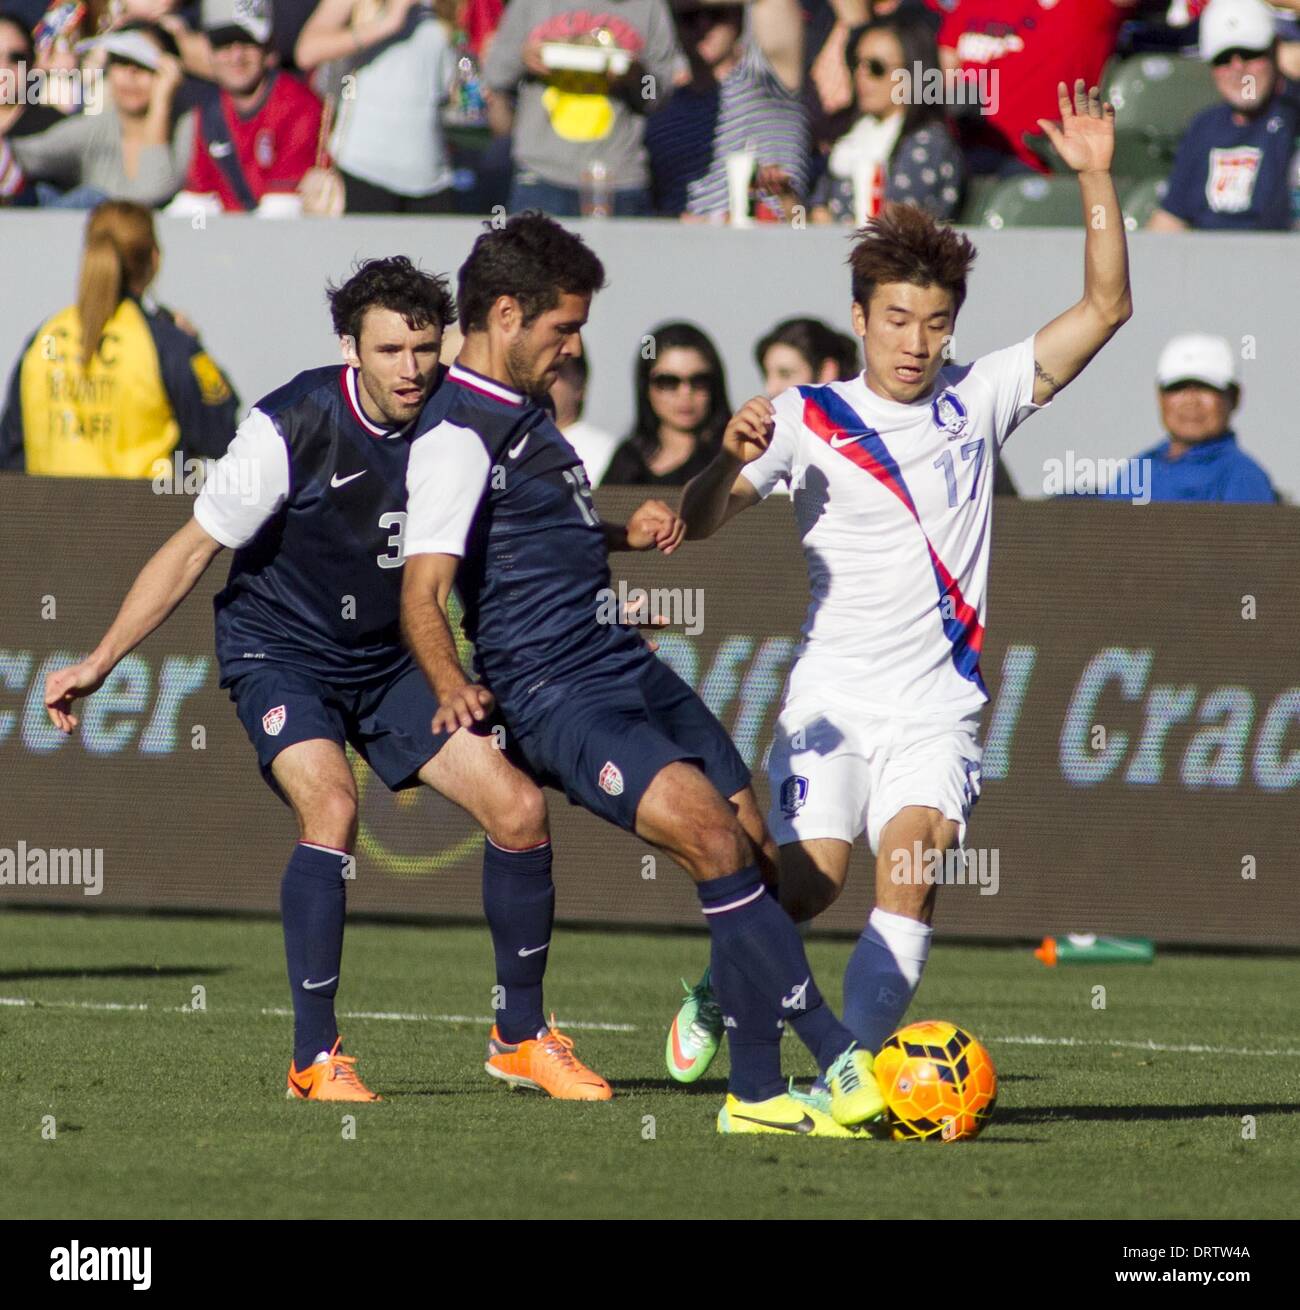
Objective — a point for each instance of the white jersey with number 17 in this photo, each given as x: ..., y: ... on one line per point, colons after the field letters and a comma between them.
x: 894, y: 505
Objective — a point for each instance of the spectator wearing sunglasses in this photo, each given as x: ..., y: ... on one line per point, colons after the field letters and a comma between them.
x: 258, y: 132
x: 681, y: 410
x: 907, y: 139
x: 136, y: 149
x: 1231, y: 169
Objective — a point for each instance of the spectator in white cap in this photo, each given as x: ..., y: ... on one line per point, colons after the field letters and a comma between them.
x: 1233, y: 162
x: 136, y: 149
x: 1199, y: 460
x: 257, y: 133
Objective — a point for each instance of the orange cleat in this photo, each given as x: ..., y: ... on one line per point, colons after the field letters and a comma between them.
x: 546, y: 1064
x: 332, y: 1079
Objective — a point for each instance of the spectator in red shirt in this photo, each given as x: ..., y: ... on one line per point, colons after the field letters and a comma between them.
x: 1024, y: 48
x: 258, y: 135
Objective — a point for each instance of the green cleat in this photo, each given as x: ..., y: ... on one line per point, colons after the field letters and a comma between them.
x: 696, y: 1032
x: 792, y: 1114
x: 855, y: 1095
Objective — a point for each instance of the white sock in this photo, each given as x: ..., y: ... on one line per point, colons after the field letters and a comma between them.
x: 883, y: 974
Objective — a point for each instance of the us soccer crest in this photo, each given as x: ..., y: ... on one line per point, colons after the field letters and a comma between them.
x: 949, y: 414
x: 794, y: 791
x: 611, y: 779
x: 273, y: 721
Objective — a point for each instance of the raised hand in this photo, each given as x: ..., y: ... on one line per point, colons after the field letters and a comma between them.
x: 1085, y: 138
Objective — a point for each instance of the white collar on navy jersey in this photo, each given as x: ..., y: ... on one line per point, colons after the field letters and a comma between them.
x: 354, y: 402
x: 467, y: 377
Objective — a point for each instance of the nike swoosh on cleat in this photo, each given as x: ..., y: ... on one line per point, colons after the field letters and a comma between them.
x: 532, y: 950
x: 337, y: 481
x: 804, y: 1125
x: 679, y: 1056
x: 311, y: 986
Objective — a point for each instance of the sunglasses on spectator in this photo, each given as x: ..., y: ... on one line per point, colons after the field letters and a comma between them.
x: 872, y: 67
x: 16, y: 55
x: 671, y: 381
x: 1225, y: 57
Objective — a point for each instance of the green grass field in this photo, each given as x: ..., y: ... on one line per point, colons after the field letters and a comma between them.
x: 1131, y: 1111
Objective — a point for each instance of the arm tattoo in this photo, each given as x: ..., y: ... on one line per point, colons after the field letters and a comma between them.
x: 1041, y: 372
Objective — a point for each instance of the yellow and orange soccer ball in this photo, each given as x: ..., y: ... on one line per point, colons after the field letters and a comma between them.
x: 939, y: 1083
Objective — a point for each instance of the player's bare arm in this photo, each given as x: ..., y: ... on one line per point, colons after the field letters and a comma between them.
x: 719, y: 493
x: 426, y: 590
x: 161, y: 585
x: 652, y: 525
x: 1085, y: 139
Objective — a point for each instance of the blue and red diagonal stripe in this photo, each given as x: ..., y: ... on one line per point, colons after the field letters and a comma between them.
x: 829, y: 415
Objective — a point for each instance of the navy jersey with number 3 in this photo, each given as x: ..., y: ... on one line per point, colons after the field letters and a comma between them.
x: 311, y: 495
x: 492, y: 481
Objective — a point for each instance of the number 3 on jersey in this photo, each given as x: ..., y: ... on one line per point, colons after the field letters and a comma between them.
x: 945, y: 462
x: 396, y: 555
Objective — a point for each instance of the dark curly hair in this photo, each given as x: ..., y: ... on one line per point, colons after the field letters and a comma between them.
x: 421, y: 298
x: 531, y: 258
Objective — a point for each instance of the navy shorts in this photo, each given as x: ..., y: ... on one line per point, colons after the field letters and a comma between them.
x: 602, y: 743
x: 388, y: 722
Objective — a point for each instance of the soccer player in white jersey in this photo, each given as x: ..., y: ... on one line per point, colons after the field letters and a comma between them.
x: 892, y: 477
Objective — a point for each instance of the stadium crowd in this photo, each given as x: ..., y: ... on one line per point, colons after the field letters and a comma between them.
x: 792, y: 110
x: 797, y: 110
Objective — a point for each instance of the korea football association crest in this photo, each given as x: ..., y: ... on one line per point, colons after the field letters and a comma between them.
x: 611, y: 779
x: 273, y: 721
x: 949, y: 414
x: 794, y: 792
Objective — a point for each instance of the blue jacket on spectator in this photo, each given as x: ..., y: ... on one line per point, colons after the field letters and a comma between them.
x: 1215, y: 470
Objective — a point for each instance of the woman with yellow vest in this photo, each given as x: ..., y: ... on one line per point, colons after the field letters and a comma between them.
x: 114, y: 384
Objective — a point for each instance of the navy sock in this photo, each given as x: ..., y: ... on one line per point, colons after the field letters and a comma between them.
x: 753, y: 1032
x: 519, y: 900
x: 756, y: 935
x: 313, y: 903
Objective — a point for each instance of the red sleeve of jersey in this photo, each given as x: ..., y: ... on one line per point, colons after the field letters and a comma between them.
x: 299, y: 131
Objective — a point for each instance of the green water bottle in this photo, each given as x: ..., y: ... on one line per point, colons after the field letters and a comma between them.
x: 1088, y: 948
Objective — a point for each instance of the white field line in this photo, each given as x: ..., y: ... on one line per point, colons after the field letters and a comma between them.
x: 279, y: 1013
x: 1164, y: 1047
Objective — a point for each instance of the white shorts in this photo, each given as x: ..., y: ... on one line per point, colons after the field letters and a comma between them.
x: 835, y: 771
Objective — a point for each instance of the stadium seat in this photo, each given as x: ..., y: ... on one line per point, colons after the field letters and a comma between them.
x: 1155, y: 97
x: 1033, y: 202
x: 978, y: 191
x: 1139, y: 198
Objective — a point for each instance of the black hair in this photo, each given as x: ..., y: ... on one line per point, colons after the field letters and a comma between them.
x: 531, y: 258
x: 670, y: 336
x: 14, y: 20
x: 423, y: 299
x: 815, y: 341
x: 919, y: 47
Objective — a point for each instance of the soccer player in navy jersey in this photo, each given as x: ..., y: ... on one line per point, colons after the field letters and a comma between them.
x: 309, y: 646
x: 499, y: 507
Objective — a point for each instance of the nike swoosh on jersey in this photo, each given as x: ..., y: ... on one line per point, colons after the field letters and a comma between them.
x: 840, y: 441
x: 311, y: 986
x: 804, y: 1125
x: 337, y: 481
x: 515, y: 451
x: 532, y: 950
